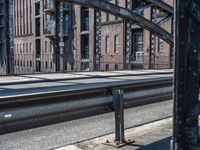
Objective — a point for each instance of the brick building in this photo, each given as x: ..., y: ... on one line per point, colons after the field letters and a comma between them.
x: 37, y: 49
x: 54, y: 36
x: 113, y: 40
x: 3, y: 40
x: 164, y: 55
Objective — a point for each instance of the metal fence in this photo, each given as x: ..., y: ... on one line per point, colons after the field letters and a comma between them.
x: 18, y: 64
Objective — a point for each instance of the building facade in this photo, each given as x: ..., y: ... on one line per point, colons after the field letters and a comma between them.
x: 51, y: 36
x: 41, y: 36
x: 3, y: 40
x: 113, y: 41
x: 163, y: 56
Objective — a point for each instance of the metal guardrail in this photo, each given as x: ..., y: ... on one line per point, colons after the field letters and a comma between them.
x: 21, y: 108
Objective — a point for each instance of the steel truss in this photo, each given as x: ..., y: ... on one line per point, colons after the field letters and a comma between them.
x: 97, y: 39
x: 186, y: 91
x: 127, y: 37
x: 152, y: 42
x: 121, y: 12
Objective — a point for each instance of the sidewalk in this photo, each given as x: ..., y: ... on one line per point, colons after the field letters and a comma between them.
x: 23, y: 79
x: 152, y: 136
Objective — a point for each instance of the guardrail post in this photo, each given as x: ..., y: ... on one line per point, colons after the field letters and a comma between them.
x: 118, y: 103
x: 119, y: 115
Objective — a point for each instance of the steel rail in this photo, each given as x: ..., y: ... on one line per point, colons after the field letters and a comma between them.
x: 90, y: 90
x: 75, y: 102
x: 131, y: 16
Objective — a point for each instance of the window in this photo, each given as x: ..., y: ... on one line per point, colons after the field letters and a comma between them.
x: 27, y: 48
x: 51, y: 65
x: 37, y: 9
x: 84, y: 19
x: 51, y: 47
x: 38, y: 46
x: 116, y: 67
x: 45, y: 47
x: 160, y: 45
x: 17, y: 48
x: 116, y: 43
x: 107, y: 44
x: 138, y: 46
x: 85, y: 46
x: 139, y: 42
x: 23, y: 48
x: 117, y: 2
x: 20, y: 48
x: 30, y: 47
x: 37, y: 25
x: 107, y: 67
x: 107, y: 17
x: 46, y: 64
x: 31, y: 64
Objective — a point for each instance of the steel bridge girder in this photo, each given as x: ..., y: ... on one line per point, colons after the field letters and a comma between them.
x: 131, y: 16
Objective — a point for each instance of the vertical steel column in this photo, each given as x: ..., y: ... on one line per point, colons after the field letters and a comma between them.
x: 56, y: 41
x: 171, y: 55
x: 152, y: 41
x: 97, y: 39
x: 127, y: 38
x: 10, y: 53
x: 61, y: 42
x: 186, y: 91
x: 119, y: 115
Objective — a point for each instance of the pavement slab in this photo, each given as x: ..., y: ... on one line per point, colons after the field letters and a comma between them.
x: 152, y: 136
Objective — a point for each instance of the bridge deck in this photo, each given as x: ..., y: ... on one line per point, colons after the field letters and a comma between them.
x: 66, y: 133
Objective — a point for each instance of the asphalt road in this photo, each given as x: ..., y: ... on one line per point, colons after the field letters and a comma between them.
x: 58, y: 135
x: 35, y: 88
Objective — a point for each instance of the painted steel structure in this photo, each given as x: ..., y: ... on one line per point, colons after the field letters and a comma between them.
x: 97, y: 39
x: 127, y: 15
x: 127, y: 37
x: 186, y: 95
x: 187, y: 45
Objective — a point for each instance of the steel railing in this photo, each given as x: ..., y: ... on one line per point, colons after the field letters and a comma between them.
x: 43, y: 106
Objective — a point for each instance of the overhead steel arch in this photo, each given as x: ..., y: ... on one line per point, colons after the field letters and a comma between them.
x: 131, y: 16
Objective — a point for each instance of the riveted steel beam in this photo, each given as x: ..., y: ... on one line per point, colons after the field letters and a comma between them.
x: 127, y: 15
x: 97, y: 39
x: 186, y: 83
x: 127, y: 37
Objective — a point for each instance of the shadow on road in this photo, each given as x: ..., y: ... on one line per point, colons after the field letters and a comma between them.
x: 163, y: 144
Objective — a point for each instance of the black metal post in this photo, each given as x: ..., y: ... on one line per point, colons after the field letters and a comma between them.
x: 119, y: 115
x: 97, y: 40
x: 56, y: 42
x: 10, y: 51
x: 186, y: 83
x: 152, y: 40
x: 127, y: 38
